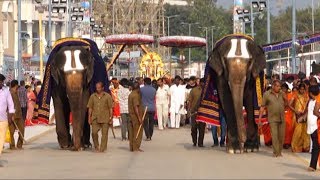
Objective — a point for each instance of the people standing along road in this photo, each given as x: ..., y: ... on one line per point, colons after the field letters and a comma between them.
x: 312, y: 127
x: 162, y: 104
x: 135, y: 113
x: 298, y: 104
x: 31, y: 104
x: 6, y: 103
x: 177, y: 97
x: 196, y: 127
x: 148, y: 94
x: 288, y: 116
x: 100, y: 116
x: 22, y: 93
x: 18, y: 122
x: 123, y: 95
x: 275, y: 100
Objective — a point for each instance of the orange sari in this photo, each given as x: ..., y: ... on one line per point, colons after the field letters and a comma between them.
x: 289, y: 122
x: 300, y: 139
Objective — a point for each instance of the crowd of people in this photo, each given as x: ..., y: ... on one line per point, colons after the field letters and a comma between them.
x: 292, y: 107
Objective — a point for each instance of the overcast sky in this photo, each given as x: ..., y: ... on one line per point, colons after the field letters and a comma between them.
x: 276, y: 5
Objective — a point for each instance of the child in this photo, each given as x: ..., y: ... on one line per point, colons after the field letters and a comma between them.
x: 312, y: 127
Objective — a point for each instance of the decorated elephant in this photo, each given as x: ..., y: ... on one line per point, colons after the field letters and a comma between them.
x: 234, y: 78
x: 73, y: 68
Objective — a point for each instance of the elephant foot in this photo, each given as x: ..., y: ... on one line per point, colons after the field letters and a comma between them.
x: 76, y: 149
x: 87, y: 146
x: 252, y: 146
x: 230, y: 151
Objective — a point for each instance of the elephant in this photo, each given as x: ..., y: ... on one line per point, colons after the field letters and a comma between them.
x: 237, y: 61
x: 72, y: 70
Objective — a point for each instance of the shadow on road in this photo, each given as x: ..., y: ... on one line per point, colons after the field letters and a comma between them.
x: 300, y: 176
x: 51, y: 145
x: 296, y: 166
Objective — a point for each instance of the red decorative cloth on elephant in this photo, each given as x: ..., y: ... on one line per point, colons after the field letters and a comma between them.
x: 208, y: 111
x: 99, y: 75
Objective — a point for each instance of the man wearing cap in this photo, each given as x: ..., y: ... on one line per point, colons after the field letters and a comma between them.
x: 5, y: 103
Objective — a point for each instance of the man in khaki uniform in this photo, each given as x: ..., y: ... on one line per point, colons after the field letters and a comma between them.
x: 100, y: 116
x: 17, y: 117
x: 135, y: 114
x: 275, y: 101
x: 194, y: 100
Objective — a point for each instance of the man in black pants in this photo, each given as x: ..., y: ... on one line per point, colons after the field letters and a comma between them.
x: 148, y: 94
x: 194, y: 101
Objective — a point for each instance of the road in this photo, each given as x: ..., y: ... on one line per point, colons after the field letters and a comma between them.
x: 170, y: 154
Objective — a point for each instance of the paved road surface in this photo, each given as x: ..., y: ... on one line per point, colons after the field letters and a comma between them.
x: 169, y: 155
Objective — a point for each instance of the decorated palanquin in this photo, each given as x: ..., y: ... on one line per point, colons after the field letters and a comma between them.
x: 151, y: 66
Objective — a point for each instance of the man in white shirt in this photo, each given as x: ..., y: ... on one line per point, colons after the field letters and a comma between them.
x: 162, y: 104
x: 177, y: 98
x: 312, y: 126
x: 123, y: 95
x: 6, y: 102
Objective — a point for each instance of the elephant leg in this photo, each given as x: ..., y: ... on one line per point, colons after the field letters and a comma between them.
x: 252, y: 128
x: 227, y: 106
x: 62, y: 111
x: 86, y: 133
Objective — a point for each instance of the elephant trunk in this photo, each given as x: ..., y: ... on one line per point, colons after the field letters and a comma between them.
x: 237, y: 79
x: 76, y: 95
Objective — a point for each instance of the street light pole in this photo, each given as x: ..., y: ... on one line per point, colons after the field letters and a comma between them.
x: 252, y: 20
x: 268, y: 23
x: 19, y: 42
x: 189, y: 59
x: 49, y: 26
x: 294, y: 36
x: 168, y: 22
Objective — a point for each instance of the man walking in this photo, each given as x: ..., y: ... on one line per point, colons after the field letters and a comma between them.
x: 6, y: 103
x: 123, y: 95
x: 100, y: 116
x: 148, y: 94
x: 177, y: 97
x: 135, y: 120
x: 223, y: 129
x: 22, y: 93
x: 275, y: 100
x: 162, y: 104
x: 18, y: 123
x: 194, y: 101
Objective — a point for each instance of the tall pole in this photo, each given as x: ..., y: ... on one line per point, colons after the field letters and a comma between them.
x: 69, y: 19
x: 170, y: 66
x: 312, y: 45
x: 40, y: 48
x: 212, y: 45
x: 268, y: 23
x: 49, y: 26
x: 19, y: 42
x: 294, y: 36
x: 252, y: 19
x: 207, y: 46
x: 189, y: 59
x: 91, y: 16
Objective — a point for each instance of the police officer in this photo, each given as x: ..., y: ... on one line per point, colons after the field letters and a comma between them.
x: 194, y: 101
x: 135, y: 120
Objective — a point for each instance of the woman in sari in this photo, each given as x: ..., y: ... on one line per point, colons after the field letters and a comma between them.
x: 298, y: 104
x: 288, y: 118
x: 31, y: 104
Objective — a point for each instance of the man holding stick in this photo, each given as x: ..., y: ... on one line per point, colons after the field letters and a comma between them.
x: 135, y: 118
x: 18, y: 122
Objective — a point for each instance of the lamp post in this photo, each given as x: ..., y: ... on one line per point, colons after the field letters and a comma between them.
x: 294, y: 36
x: 189, y: 58
x: 19, y: 42
x: 168, y: 22
x: 268, y: 23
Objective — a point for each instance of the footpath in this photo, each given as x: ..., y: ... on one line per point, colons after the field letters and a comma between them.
x: 32, y: 133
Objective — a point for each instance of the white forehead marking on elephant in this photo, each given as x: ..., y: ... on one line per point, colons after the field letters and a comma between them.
x: 243, y: 46
x: 67, y: 65
x: 79, y: 66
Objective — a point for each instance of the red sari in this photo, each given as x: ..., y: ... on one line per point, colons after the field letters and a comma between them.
x: 289, y: 122
x: 30, y: 104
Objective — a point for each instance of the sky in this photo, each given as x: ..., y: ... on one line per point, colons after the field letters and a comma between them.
x: 276, y: 5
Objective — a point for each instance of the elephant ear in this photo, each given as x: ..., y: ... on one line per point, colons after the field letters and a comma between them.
x: 215, y: 61
x: 55, y: 72
x: 259, y: 59
x: 90, y: 65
